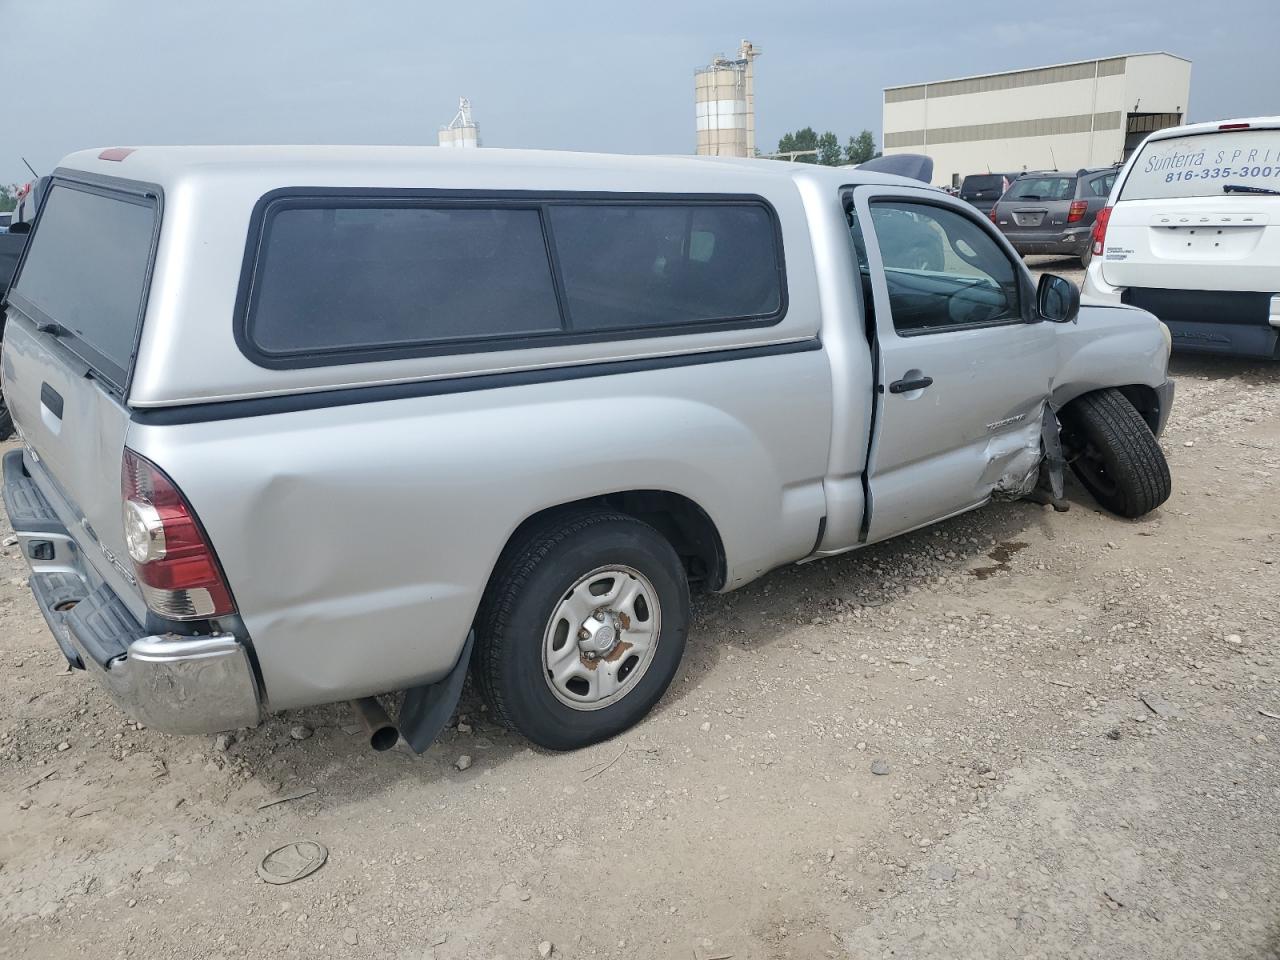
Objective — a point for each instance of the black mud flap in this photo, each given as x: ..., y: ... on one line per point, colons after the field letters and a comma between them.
x: 427, y: 709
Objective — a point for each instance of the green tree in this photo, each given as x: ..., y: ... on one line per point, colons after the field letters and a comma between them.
x: 806, y: 139
x: 7, y: 200
x: 829, y: 153
x: 861, y: 148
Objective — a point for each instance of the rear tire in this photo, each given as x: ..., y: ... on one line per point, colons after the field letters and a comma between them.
x: 549, y: 601
x: 6, y: 422
x: 1114, y: 453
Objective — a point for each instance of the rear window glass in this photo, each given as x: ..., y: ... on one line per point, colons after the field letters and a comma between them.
x: 1203, y: 164
x: 370, y: 279
x: 347, y: 277
x: 632, y: 266
x: 1043, y: 188
x: 988, y: 185
x: 86, y: 270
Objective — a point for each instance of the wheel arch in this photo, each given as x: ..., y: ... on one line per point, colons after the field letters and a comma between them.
x: 682, y: 521
x: 1145, y: 399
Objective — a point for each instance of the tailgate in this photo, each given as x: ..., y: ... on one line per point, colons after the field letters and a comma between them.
x: 1174, y: 226
x: 1195, y: 244
x: 74, y: 313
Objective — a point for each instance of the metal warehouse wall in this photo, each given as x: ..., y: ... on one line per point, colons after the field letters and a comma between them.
x: 1066, y: 116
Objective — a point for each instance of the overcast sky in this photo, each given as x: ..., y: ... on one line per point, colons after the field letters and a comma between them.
x: 571, y: 74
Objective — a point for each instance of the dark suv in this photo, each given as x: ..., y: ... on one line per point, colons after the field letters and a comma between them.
x: 1048, y: 212
x: 982, y: 190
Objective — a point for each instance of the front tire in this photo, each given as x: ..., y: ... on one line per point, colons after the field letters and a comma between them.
x: 1114, y: 453
x: 582, y: 630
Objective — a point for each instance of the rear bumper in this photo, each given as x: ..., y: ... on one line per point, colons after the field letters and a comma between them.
x: 173, y: 683
x: 1234, y: 323
x: 1069, y: 243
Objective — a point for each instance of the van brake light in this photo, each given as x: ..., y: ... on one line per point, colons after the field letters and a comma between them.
x: 1100, y: 230
x: 1233, y: 126
x: 174, y: 561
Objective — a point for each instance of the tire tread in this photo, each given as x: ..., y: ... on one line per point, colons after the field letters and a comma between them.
x: 1142, y: 472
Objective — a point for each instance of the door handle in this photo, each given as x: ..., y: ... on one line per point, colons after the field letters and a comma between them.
x: 906, y: 386
x: 51, y: 399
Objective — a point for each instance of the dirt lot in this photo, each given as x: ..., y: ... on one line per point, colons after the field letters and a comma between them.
x: 1078, y: 720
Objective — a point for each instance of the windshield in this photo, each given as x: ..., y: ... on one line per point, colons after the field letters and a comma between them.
x: 1042, y: 188
x: 1202, y: 164
x: 85, y: 274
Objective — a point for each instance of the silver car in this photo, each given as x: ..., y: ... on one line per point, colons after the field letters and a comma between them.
x: 305, y: 424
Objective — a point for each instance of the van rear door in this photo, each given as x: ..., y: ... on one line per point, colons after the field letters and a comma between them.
x: 1199, y: 212
x: 74, y: 313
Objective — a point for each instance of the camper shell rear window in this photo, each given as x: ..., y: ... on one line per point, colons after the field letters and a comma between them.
x: 86, y: 269
x: 352, y: 276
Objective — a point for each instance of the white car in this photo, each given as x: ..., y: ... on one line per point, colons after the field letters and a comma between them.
x: 1191, y: 233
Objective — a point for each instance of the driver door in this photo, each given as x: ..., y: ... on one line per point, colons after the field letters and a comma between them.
x: 965, y: 365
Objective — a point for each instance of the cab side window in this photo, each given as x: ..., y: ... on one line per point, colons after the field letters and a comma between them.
x: 943, y: 270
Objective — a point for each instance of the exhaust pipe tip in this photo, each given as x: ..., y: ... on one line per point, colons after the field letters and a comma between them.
x: 382, y: 733
x: 384, y: 738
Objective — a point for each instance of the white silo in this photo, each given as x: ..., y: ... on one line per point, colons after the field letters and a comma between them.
x: 462, y: 130
x: 724, y: 105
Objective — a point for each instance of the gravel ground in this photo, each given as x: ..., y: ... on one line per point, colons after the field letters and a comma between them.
x: 1016, y: 734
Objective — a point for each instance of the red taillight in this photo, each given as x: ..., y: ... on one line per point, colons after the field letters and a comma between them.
x: 1077, y: 211
x: 992, y: 215
x: 1100, y: 230
x: 1233, y: 126
x: 171, y: 554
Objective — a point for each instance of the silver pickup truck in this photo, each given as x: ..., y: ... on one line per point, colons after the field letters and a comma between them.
x: 303, y: 425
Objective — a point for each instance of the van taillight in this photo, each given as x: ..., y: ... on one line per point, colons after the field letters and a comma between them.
x: 992, y: 216
x: 1100, y: 230
x: 175, y: 564
x: 1077, y: 211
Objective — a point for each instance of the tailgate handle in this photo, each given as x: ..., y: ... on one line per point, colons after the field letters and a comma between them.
x: 51, y: 399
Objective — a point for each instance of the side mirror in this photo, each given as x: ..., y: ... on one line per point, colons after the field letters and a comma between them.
x: 1057, y: 299
x: 22, y: 226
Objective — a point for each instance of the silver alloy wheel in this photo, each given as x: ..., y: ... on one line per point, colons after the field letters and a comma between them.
x: 601, y: 637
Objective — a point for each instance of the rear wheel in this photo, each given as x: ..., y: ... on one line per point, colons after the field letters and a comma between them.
x: 582, y: 630
x: 1114, y: 453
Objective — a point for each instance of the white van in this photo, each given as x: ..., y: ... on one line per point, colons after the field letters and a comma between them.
x: 1192, y: 234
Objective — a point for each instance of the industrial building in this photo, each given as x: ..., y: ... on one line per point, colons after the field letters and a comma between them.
x: 724, y: 105
x: 1091, y: 113
x: 462, y: 130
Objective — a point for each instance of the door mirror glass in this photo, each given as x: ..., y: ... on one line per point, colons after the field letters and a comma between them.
x: 1057, y: 299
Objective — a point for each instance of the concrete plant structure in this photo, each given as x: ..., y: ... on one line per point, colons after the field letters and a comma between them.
x: 724, y: 105
x: 462, y: 130
x: 1090, y: 113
